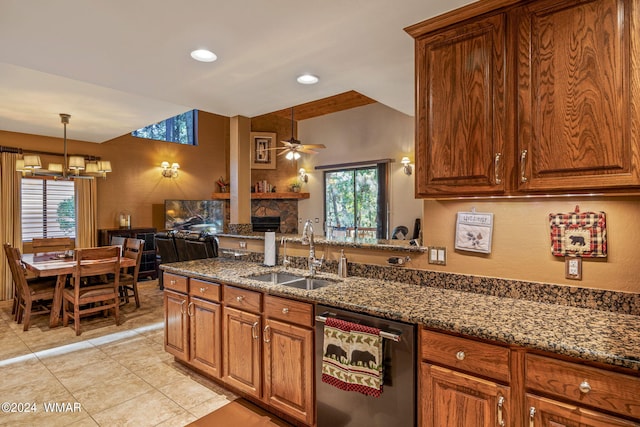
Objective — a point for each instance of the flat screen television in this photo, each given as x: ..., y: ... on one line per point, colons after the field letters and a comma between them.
x: 194, y: 215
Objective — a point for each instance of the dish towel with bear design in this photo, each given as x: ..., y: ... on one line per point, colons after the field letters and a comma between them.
x: 352, y: 357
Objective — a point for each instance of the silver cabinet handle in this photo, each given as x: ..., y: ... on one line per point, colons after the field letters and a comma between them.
x: 285, y: 310
x: 585, y: 387
x: 189, y: 313
x: 265, y: 331
x: 172, y: 282
x: 523, y: 166
x: 496, y: 168
x: 239, y: 298
x: 203, y: 290
x: 182, y: 306
x: 254, y: 332
x: 500, y: 408
x: 460, y: 355
x: 532, y: 414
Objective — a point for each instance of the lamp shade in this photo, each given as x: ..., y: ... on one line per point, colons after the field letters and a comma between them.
x: 54, y: 167
x: 20, y: 165
x: 32, y: 161
x: 76, y: 162
x: 92, y: 167
x: 104, y: 166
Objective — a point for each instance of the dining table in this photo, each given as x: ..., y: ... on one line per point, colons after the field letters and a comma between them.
x: 60, y: 264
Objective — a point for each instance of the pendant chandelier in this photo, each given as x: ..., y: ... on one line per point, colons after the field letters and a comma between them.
x: 72, y: 167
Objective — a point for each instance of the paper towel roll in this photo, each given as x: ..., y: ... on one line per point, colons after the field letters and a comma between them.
x: 270, y: 248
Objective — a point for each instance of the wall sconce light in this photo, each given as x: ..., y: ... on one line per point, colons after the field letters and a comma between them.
x: 302, y: 175
x: 406, y: 165
x: 169, y: 171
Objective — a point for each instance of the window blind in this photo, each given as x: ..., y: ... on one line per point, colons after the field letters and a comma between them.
x: 48, y: 208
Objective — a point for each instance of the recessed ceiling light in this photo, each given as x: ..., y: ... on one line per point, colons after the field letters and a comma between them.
x: 203, y: 55
x: 307, y: 79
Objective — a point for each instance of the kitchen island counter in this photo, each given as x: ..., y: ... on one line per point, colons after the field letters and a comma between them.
x: 586, y: 334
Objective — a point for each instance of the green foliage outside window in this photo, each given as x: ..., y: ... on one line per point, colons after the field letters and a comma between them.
x: 67, y: 216
x: 180, y: 129
x: 351, y: 198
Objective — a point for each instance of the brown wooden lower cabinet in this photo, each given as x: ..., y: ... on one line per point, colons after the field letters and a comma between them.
x: 450, y: 398
x: 204, y: 341
x: 468, y: 383
x: 549, y: 413
x: 288, y: 369
x: 176, y: 325
x: 242, y: 367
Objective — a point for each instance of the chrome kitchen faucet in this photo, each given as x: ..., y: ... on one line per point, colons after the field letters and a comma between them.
x: 307, y: 239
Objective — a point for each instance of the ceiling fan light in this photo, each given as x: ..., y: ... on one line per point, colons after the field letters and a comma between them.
x: 296, y: 155
x: 289, y: 155
x: 203, y: 55
x: 307, y: 79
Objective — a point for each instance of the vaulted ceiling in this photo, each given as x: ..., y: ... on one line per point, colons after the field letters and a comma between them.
x: 119, y: 65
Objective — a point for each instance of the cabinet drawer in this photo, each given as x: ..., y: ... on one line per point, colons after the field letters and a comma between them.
x: 205, y: 290
x: 242, y: 298
x: 586, y: 385
x: 291, y: 311
x: 471, y: 356
x: 175, y: 282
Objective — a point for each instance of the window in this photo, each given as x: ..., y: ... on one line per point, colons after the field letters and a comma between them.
x: 355, y: 202
x: 48, y: 208
x: 181, y: 129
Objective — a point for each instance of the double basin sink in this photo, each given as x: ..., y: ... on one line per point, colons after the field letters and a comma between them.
x: 292, y: 280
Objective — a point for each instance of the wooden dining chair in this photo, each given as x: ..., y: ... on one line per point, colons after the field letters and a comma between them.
x: 129, y: 279
x: 52, y: 244
x: 29, y: 298
x: 96, y: 295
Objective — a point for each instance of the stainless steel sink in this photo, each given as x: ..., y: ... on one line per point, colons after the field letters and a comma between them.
x: 276, y: 277
x: 308, y: 283
x: 292, y: 280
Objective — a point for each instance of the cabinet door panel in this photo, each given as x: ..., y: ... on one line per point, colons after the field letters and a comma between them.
x: 574, y: 95
x: 548, y: 413
x: 241, y: 350
x: 205, y: 336
x: 461, y: 79
x: 176, y: 328
x: 288, y: 369
x: 451, y: 398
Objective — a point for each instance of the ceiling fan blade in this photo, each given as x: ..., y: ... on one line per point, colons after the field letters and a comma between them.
x: 307, y: 150
x: 315, y: 145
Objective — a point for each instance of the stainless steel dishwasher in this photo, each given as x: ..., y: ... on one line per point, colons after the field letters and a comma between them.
x: 396, y: 406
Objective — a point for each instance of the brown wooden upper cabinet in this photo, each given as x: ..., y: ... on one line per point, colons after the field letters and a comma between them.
x: 521, y: 97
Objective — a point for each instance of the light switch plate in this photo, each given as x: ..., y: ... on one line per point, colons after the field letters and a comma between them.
x: 573, y: 268
x: 437, y: 255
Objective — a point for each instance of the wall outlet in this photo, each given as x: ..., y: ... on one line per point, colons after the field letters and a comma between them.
x: 437, y: 255
x: 573, y: 268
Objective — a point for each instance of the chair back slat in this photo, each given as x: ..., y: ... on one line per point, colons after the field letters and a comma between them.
x: 52, y: 244
x: 97, y: 261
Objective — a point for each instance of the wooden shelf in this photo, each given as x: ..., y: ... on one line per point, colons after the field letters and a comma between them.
x: 259, y: 196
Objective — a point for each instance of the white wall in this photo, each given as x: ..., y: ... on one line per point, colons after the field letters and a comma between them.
x: 371, y: 132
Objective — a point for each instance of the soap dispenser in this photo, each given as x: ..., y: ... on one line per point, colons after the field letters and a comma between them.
x: 342, y: 265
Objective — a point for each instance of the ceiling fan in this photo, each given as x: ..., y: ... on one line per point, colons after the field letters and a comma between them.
x: 293, y: 147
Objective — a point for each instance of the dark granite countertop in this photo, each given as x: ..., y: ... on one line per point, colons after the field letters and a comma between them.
x: 586, y: 334
x: 343, y: 242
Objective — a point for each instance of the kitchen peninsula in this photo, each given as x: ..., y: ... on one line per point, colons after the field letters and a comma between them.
x: 529, y: 336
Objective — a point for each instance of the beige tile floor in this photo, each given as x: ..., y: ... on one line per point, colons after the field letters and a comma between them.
x: 108, y: 376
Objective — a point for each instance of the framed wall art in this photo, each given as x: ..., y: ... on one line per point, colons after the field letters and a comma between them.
x: 474, y: 231
x: 263, y: 153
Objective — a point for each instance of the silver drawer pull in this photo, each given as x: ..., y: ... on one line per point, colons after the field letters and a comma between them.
x: 239, y: 298
x: 285, y: 310
x: 532, y: 416
x: 585, y: 387
x: 500, y: 409
x: 203, y: 290
x: 173, y: 282
x: 460, y: 355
